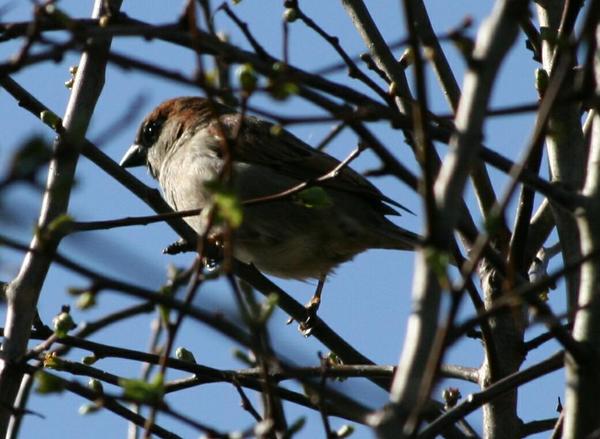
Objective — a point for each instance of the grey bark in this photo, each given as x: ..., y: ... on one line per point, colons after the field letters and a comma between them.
x: 583, y: 381
x: 565, y: 145
x: 449, y: 187
x: 23, y: 291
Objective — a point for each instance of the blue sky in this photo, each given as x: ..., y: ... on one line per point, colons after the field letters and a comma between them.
x: 367, y: 301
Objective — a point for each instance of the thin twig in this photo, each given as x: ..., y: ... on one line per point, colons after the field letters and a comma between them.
x: 476, y: 400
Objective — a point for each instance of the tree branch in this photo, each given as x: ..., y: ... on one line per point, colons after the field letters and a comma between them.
x: 24, y: 290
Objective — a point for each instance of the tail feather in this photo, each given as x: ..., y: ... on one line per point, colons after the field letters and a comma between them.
x: 400, y: 239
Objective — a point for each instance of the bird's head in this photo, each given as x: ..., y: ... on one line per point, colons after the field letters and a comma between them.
x: 165, y: 129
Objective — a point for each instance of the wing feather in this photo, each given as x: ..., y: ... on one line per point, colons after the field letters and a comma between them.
x: 292, y: 157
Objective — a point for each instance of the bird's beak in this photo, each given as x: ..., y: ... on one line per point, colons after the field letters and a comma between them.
x: 135, y: 156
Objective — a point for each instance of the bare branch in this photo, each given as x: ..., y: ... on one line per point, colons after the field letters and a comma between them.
x: 24, y: 290
x: 580, y: 418
x: 506, y: 384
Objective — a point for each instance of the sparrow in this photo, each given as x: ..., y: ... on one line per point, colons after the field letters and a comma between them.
x: 186, y: 142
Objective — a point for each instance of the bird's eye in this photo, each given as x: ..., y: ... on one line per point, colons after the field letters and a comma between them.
x: 150, y: 132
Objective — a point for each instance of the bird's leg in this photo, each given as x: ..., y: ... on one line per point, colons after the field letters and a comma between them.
x: 306, y: 326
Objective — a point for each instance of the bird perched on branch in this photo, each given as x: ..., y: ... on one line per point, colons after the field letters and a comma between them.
x: 303, y: 211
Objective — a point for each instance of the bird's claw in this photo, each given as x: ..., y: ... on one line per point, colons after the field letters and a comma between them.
x: 307, y: 325
x: 179, y: 246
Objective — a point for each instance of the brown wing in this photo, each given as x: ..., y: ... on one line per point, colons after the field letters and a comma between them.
x: 292, y: 157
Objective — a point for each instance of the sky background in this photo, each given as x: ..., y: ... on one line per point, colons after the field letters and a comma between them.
x: 367, y: 301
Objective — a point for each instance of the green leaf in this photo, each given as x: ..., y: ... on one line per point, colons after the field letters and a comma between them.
x: 51, y: 119
x: 71, y: 81
x: 63, y: 323
x: 164, y: 310
x: 88, y: 409
x: 48, y: 383
x: 165, y: 314
x: 333, y: 359
x: 281, y: 90
x: 267, y: 307
x: 51, y: 361
x: 61, y: 225
x: 438, y: 261
x: 345, y: 431
x: 245, y: 357
x: 276, y: 130
x: 211, y: 78
x: 541, y: 81
x: 229, y: 208
x: 183, y: 354
x: 290, y: 15
x: 279, y: 67
x: 96, y: 385
x: 86, y: 300
x: 314, y: 197
x: 142, y: 391
x: 247, y: 77
x: 88, y: 360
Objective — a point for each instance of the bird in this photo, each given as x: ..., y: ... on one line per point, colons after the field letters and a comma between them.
x: 186, y: 143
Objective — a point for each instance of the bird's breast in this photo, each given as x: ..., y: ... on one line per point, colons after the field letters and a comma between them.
x: 183, y: 181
